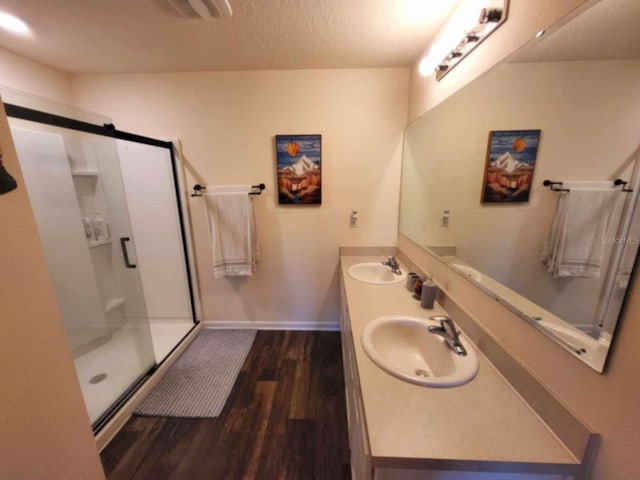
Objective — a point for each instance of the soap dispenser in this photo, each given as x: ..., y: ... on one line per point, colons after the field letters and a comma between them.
x: 101, y: 228
x: 429, y: 291
x: 88, y: 229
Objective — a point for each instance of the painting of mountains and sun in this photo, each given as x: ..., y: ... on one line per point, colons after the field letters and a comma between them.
x: 299, y: 169
x: 511, y: 159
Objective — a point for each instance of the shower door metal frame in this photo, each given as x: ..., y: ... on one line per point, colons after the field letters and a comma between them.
x: 109, y: 130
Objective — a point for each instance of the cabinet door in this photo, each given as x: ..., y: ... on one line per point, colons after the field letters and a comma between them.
x: 358, y: 439
x: 399, y: 474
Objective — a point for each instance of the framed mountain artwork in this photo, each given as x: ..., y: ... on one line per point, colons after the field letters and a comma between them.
x: 299, y: 161
x: 510, y: 162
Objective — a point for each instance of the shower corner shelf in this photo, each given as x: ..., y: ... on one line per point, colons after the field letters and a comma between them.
x: 98, y: 243
x: 113, y: 304
x: 85, y: 173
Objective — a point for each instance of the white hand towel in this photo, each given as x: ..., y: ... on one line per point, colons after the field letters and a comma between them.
x: 630, y: 251
x: 552, y: 245
x: 234, y: 241
x: 575, y: 245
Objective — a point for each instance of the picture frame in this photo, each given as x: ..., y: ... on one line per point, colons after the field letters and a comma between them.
x: 299, y: 169
x: 509, y: 166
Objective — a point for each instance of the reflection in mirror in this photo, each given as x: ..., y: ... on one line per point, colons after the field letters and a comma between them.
x: 579, y: 85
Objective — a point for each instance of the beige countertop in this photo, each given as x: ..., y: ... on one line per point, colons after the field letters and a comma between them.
x: 483, y: 423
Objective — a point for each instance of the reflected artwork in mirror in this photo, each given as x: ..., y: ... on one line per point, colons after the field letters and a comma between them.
x: 563, y: 260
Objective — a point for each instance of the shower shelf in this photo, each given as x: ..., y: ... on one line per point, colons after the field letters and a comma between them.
x: 113, y: 304
x: 99, y: 243
x: 85, y: 173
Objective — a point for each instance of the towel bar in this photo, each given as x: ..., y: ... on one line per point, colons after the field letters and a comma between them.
x: 555, y: 186
x: 255, y: 189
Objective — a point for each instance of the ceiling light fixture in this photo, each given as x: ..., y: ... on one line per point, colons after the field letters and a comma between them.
x: 475, y: 28
x: 13, y: 24
x: 206, y: 9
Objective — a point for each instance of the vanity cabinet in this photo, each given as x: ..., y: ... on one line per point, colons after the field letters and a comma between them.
x: 482, y: 430
x: 358, y: 438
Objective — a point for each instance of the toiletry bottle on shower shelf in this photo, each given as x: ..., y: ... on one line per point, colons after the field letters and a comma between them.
x: 88, y: 229
x: 101, y: 228
x: 428, y: 294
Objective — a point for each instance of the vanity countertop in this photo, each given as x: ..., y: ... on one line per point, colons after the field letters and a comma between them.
x: 479, y: 425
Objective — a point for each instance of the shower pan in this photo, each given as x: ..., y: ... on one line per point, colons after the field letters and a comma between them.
x: 107, y: 207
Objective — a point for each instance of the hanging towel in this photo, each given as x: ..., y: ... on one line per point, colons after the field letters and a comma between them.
x: 575, y: 244
x: 552, y: 245
x: 630, y: 251
x: 234, y: 241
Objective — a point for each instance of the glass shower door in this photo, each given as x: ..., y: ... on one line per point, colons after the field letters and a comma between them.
x: 76, y: 190
x: 150, y: 186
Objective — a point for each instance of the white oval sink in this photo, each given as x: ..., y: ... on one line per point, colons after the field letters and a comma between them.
x: 403, y: 347
x: 376, y: 273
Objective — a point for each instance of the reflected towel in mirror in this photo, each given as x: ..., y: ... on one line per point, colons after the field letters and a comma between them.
x: 630, y: 251
x: 575, y: 244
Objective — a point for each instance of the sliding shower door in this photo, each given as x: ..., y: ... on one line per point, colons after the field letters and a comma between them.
x: 152, y: 200
x: 75, y: 186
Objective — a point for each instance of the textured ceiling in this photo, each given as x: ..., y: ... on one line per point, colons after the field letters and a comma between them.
x: 607, y: 31
x: 126, y: 36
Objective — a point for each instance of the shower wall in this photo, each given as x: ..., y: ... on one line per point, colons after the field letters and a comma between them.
x: 53, y: 198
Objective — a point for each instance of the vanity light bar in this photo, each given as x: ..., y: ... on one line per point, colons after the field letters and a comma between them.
x: 488, y: 21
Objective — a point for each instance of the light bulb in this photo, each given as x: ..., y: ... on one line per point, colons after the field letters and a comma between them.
x: 13, y: 24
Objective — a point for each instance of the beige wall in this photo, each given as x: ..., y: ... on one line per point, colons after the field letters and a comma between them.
x: 22, y: 74
x: 45, y: 427
x: 525, y: 19
x: 609, y: 401
x: 226, y: 122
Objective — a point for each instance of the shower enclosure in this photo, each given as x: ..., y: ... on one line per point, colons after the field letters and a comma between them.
x: 108, y: 212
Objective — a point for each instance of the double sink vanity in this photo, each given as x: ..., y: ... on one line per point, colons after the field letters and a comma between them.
x: 417, y: 409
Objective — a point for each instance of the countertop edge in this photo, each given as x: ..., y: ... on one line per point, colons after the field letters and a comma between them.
x: 570, y: 468
x: 475, y: 465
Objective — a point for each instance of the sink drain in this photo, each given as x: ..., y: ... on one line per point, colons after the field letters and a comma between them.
x: 98, y: 378
x: 421, y: 373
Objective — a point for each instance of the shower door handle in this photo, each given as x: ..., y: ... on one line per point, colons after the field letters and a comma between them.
x: 125, y: 254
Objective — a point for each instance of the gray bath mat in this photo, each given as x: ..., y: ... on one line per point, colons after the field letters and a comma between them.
x: 198, y: 384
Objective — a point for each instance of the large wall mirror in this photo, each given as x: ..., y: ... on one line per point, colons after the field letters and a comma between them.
x: 579, y: 84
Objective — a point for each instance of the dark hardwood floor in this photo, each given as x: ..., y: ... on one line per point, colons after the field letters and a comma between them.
x: 284, y: 419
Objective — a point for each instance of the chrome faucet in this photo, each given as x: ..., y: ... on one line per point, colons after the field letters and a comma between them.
x: 447, y: 330
x: 393, y: 264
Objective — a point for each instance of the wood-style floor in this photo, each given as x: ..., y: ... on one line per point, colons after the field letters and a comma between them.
x: 284, y: 419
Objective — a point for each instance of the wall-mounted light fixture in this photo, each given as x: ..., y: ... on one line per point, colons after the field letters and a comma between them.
x: 13, y: 24
x: 467, y: 28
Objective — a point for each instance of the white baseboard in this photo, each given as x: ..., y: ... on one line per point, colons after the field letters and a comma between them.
x: 246, y: 324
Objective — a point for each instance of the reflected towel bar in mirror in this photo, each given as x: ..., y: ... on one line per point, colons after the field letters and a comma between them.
x: 619, y: 181
x: 556, y: 186
x: 552, y: 186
